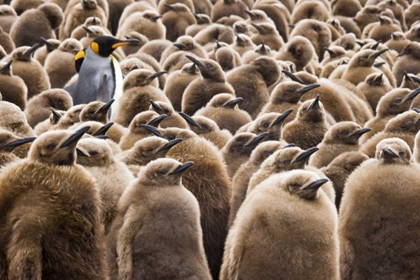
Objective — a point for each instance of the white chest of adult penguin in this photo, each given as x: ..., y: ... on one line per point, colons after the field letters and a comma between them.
x: 100, y: 77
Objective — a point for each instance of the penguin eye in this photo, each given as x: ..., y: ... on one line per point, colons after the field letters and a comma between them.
x: 16, y: 125
x: 51, y: 146
x: 161, y: 172
x: 286, y: 162
x: 398, y: 100
x: 94, y: 153
x: 267, y: 154
x: 401, y: 154
x: 295, y: 186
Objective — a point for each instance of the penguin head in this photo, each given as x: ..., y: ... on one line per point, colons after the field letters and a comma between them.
x: 244, y: 143
x: 407, y: 122
x: 161, y: 107
x: 202, y: 19
x: 347, y: 162
x: 288, y: 158
x: 209, y: 68
x: 141, y: 78
x: 9, y: 141
x: 151, y: 148
x: 72, y: 115
x: 6, y: 10
x: 56, y: 98
x: 94, y: 31
x: 185, y: 43
x: 92, y: 21
x: 398, y: 36
x: 200, y: 124
x: 290, y: 92
x: 263, y: 49
x: 105, y: 45
x: 14, y: 120
x: 240, y: 27
x: 396, y: 101
x: 256, y: 15
x: 94, y: 152
x: 300, y: 49
x: 70, y: 45
x: 265, y: 28
x: 312, y: 111
x: 365, y: 58
x: 56, y: 147
x: 190, y: 69
x: 151, y: 15
x: 265, y: 150
x: 163, y: 172
x: 268, y: 68
x: 345, y: 133
x: 303, y: 183
x: 50, y: 44
x: 6, y: 68
x: 271, y: 123
x: 393, y: 151
x: 412, y: 49
x: 375, y: 79
x: 146, y: 117
x: 224, y: 100
x: 131, y: 64
x: 243, y: 41
x: 89, y: 4
x: 96, y: 111
x: 24, y: 53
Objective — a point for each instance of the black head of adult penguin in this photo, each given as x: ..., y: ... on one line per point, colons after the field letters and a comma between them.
x: 105, y: 45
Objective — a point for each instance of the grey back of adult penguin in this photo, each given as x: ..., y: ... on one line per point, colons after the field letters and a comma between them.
x: 374, y: 191
x: 200, y: 91
x: 300, y: 202
x: 35, y: 23
x: 132, y: 243
x: 251, y: 82
x: 41, y: 255
x: 12, y: 87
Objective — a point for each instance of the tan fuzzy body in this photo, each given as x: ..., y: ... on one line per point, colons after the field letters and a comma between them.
x: 176, y: 83
x: 6, y: 41
x: 405, y: 63
x: 7, y: 18
x: 278, y: 13
x: 60, y: 68
x: 13, y: 90
x: 43, y: 248
x: 153, y: 30
x: 176, y: 22
x: 369, y: 147
x: 42, y: 53
x: 304, y: 134
x: 221, y: 9
x: 374, y: 92
x: 14, y: 120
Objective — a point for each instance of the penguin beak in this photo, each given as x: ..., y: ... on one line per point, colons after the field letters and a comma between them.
x: 156, y: 121
x: 316, y: 185
x: 362, y: 131
x: 308, y: 88
x: 155, y: 18
x: 417, y: 110
x: 45, y: 41
x: 376, y: 45
x: 249, y: 12
x: 260, y: 30
x: 218, y: 46
x: 197, y: 17
x: 56, y: 114
x: 282, y: 117
x: 257, y: 140
x: 239, y: 38
x: 121, y: 43
x: 87, y: 29
x: 102, y: 137
x: 314, y: 104
x: 106, y: 107
x: 379, y: 78
x: 401, y: 54
x: 6, y: 67
x: 292, y: 77
x: 104, y: 129
x: 195, y: 61
x: 379, y: 64
x: 80, y: 153
x: 74, y: 137
x: 157, y: 74
x: 388, y: 152
x: 378, y: 53
x: 233, y: 102
x: 10, y: 146
x: 306, y: 154
x: 263, y: 49
x: 152, y: 129
x: 31, y: 50
x: 170, y: 7
x: 331, y: 52
x: 170, y: 144
x: 157, y: 107
x: 179, y: 46
x: 182, y: 168
x: 290, y: 145
x: 188, y: 119
x: 413, y: 94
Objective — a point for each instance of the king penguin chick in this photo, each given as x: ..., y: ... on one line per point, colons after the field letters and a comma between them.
x: 43, y: 52
x: 138, y: 91
x: 8, y: 17
x: 6, y: 41
x: 407, y: 61
x: 112, y: 176
x: 176, y: 20
x: 309, y: 127
x: 60, y: 63
x: 271, y: 123
x: 173, y: 119
x: 267, y: 34
x: 186, y: 44
x: 397, y: 42
x: 379, y: 192
x: 227, y: 8
x: 298, y: 50
x: 201, y: 91
x: 374, y: 87
x: 239, y: 148
x: 340, y: 138
x: 404, y: 126
x: 243, y: 175
x: 38, y: 107
x: 30, y: 70
x: 251, y: 82
x: 12, y: 87
x: 280, y: 204
x: 223, y: 109
x: 340, y: 169
x: 8, y: 142
x: 146, y: 23
x: 135, y: 233
x: 50, y: 175
x: 14, y: 120
x: 35, y: 23
x: 71, y: 117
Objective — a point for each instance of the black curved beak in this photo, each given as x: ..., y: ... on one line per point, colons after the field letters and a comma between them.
x: 104, y: 129
x: 417, y: 110
x: 292, y: 77
x: 156, y: 121
x: 6, y: 67
x: 416, y: 79
x: 331, y: 52
x: 156, y: 107
x: 308, y: 88
x: 170, y: 7
x: 179, y: 46
x: 102, y: 137
x: 45, y: 41
x: 157, y: 74
x: 182, y: 168
x: 170, y: 144
x: 257, y: 140
x: 379, y: 78
x: 388, y: 152
x: 87, y: 29
x: 56, y: 114
x: 105, y: 107
x: 74, y: 137
x: 188, y: 119
x: 290, y: 145
x: 306, y: 154
x: 282, y: 117
x: 248, y: 12
x: 31, y: 50
x: 80, y: 153
x: 152, y: 129
x: 378, y: 53
x: 413, y: 94
x: 195, y: 61
x: 316, y: 185
x: 315, y: 103
x: 379, y: 64
x: 233, y: 102
x: 257, y: 27
x: 362, y: 131
x: 10, y: 146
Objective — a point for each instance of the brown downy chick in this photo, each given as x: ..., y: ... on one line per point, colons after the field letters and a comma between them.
x: 227, y: 8
x: 241, y: 179
x: 215, y: 32
x: 382, y: 191
x: 48, y: 123
x: 35, y: 23
x: 340, y: 169
x: 185, y: 44
x: 239, y: 148
x: 137, y: 94
x: 8, y: 17
x: 298, y: 50
x: 340, y: 138
x: 208, y: 129
x: 408, y: 61
x: 242, y: 44
x: 382, y: 31
x: 310, y: 10
x: 71, y: 117
x: 260, y: 50
x: 177, y: 81
x: 51, y: 175
x: 271, y: 123
x: 158, y: 218
x: 368, y: 14
x: 112, y: 176
x: 8, y: 142
x: 335, y: 53
x: 223, y: 109
x: 162, y: 8
x: 176, y: 20
x: 14, y: 120
x: 374, y: 87
x: 12, y: 87
x: 309, y: 127
x: 226, y: 56
x: 404, y: 126
x: 251, y: 82
x: 48, y: 46
x: 391, y: 104
x: 397, y: 42
x: 96, y: 111
x: 38, y: 107
x: 202, y: 22
x: 80, y: 32
x: 200, y: 91
x: 146, y: 23
x: 267, y: 34
x: 410, y: 81
x: 30, y: 70
x: 173, y: 119
x: 132, y: 49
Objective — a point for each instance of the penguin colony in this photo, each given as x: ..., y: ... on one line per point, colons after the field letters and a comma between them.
x: 209, y: 139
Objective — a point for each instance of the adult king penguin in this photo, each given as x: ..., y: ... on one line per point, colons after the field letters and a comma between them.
x: 100, y: 77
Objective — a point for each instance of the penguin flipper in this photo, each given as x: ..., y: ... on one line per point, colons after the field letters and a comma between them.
x: 71, y: 89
